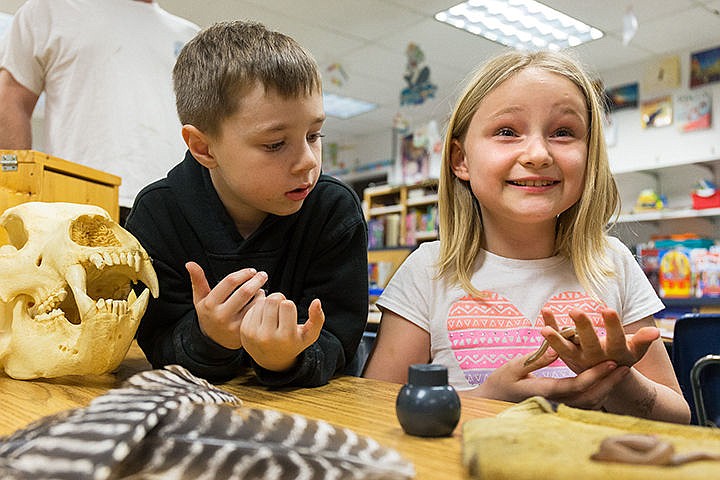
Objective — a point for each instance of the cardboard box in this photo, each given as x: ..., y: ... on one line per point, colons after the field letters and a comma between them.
x: 32, y: 176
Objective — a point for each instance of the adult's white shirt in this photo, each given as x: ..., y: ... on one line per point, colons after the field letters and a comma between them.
x: 106, y: 69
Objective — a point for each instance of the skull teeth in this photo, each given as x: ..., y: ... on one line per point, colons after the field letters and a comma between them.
x: 76, y: 280
x: 48, y: 316
x: 96, y: 260
x: 136, y: 260
x: 108, y: 259
x: 116, y: 307
x: 49, y: 304
x: 76, y: 277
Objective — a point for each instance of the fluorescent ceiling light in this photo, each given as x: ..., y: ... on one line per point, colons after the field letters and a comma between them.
x: 345, y: 107
x: 521, y: 24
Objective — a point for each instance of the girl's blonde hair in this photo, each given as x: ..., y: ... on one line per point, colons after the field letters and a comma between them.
x: 581, y: 229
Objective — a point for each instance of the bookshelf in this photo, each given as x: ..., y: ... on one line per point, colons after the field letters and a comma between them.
x: 401, y: 215
x: 399, y: 218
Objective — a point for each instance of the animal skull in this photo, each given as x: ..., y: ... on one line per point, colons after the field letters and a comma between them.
x: 66, y: 301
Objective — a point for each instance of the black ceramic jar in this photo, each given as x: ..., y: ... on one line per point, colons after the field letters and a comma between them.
x: 427, y: 406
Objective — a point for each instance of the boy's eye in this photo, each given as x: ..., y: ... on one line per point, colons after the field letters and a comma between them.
x: 505, y: 132
x: 314, y: 137
x: 272, y: 147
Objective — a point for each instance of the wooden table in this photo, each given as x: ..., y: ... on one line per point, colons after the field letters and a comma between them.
x: 365, y: 406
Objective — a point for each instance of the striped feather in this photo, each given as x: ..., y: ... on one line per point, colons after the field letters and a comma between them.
x: 167, y: 424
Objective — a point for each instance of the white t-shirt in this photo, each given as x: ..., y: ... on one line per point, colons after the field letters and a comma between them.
x: 472, y: 337
x: 106, y: 69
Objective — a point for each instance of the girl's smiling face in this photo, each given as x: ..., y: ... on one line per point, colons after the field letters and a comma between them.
x: 525, y: 151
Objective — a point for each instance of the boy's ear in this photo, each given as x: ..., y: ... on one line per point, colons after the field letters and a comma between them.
x: 458, y: 161
x: 199, y: 145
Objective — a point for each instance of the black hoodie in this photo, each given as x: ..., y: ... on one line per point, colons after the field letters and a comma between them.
x: 318, y: 252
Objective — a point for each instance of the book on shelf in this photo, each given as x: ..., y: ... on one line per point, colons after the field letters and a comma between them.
x: 419, y: 221
x: 392, y: 230
x: 376, y: 233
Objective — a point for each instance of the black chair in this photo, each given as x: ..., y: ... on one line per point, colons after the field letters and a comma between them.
x: 705, y: 382
x: 696, y: 335
x: 356, y: 366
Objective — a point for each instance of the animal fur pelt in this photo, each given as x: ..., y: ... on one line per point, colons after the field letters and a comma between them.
x: 167, y: 424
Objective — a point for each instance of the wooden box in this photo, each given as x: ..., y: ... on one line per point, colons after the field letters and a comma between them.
x: 32, y: 176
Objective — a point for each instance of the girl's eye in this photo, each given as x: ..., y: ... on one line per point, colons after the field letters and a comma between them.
x: 314, y: 137
x: 274, y: 147
x: 564, y: 132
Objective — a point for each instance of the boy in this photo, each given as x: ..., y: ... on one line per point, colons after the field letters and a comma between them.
x: 246, y: 212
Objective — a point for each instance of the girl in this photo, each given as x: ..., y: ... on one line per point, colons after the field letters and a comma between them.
x: 525, y: 196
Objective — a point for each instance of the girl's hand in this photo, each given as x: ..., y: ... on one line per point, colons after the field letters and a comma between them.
x: 515, y: 382
x: 589, y: 389
x: 587, y: 350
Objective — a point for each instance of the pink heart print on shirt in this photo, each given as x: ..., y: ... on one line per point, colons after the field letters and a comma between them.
x: 486, y: 332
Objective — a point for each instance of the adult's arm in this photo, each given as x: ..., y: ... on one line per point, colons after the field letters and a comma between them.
x: 16, y: 107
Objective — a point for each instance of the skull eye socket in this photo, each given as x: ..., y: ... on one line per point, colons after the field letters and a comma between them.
x: 93, y: 231
x: 14, y: 231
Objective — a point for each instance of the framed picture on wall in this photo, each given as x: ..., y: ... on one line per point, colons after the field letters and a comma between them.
x: 705, y: 67
x: 693, y: 111
x: 624, y: 96
x: 657, y: 112
x: 661, y: 75
x: 415, y: 160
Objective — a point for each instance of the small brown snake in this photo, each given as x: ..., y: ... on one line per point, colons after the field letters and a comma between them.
x: 566, y: 332
x: 645, y: 450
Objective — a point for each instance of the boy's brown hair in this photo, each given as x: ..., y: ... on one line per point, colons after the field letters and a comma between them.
x: 226, y: 60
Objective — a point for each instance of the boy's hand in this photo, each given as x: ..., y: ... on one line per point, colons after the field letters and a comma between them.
x: 221, y: 310
x: 589, y: 350
x: 271, y: 335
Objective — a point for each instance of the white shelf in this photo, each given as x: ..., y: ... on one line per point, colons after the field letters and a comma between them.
x: 674, y: 181
x: 385, y: 210
x: 668, y: 214
x: 657, y: 166
x: 424, y: 200
x: 362, y: 175
x: 426, y: 235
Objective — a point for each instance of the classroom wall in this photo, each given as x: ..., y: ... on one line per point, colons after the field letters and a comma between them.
x: 635, y: 147
x: 645, y: 148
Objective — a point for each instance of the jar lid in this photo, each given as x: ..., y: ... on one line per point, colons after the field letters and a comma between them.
x: 428, y: 375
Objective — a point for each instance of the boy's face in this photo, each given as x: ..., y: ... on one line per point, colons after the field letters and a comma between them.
x: 267, y: 156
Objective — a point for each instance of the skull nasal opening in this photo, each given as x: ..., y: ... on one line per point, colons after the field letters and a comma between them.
x: 93, y: 231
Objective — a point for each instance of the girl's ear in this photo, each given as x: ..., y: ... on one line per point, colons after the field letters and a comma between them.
x: 199, y: 145
x: 458, y: 161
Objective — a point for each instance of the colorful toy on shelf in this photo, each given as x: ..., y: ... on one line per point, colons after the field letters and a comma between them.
x: 650, y: 200
x: 688, y: 266
x: 705, y: 195
x: 675, y: 274
x: 707, y: 265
